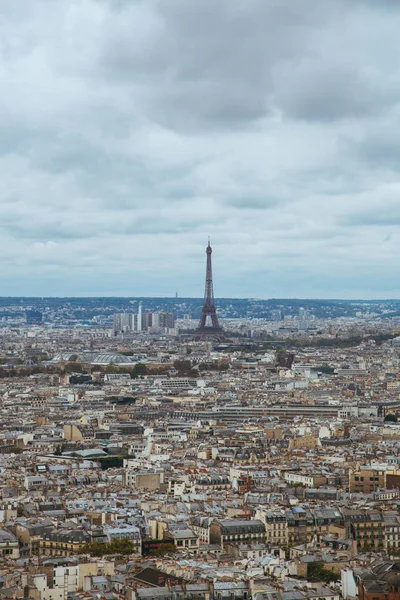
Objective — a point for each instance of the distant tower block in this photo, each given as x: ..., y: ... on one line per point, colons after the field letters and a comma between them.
x: 139, y: 317
x: 206, y: 329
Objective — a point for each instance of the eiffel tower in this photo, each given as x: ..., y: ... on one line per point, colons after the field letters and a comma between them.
x: 213, y: 330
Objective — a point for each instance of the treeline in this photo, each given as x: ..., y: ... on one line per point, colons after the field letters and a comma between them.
x: 317, y: 572
x: 110, y: 462
x: 339, y: 342
x: 187, y: 368
x: 124, y: 546
x: 17, y: 370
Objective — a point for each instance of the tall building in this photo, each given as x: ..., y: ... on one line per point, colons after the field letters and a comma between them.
x: 146, y: 321
x: 142, y: 321
x: 209, y: 326
x: 139, y: 317
x: 303, y: 319
x: 163, y: 320
x: 123, y: 322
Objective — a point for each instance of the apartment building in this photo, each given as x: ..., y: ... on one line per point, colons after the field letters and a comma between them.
x: 237, y: 531
x: 366, y: 527
x: 276, y: 528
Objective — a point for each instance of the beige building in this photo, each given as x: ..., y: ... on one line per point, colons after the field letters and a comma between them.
x: 143, y: 480
x: 236, y: 531
x: 367, y: 528
x: 303, y: 442
x: 9, y: 545
x: 184, y: 539
x: 276, y: 529
x: 77, y: 432
x: 367, y: 479
x: 306, y: 479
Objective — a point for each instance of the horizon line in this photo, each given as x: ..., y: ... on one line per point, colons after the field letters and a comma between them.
x: 172, y: 297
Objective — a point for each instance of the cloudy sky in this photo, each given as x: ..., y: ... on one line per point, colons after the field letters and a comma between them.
x: 132, y: 130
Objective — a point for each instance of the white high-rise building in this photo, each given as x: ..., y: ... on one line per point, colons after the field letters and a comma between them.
x: 139, y: 318
x: 303, y: 319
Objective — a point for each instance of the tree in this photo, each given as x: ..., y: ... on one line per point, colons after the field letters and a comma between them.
x: 317, y: 572
x: 325, y: 369
x: 112, y: 399
x: 123, y: 546
x: 111, y: 462
x: 120, y: 400
x: 162, y: 550
x: 207, y: 366
x: 138, y: 371
x: 60, y: 448
x: 182, y: 366
x: 391, y: 418
x: 73, y: 367
x: 393, y: 551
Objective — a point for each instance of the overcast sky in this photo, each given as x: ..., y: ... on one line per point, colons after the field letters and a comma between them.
x: 132, y: 130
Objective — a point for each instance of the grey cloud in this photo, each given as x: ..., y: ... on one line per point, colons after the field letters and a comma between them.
x: 226, y: 65
x: 138, y: 128
x: 379, y: 147
x: 246, y: 202
x: 209, y: 61
x: 380, y: 217
x: 328, y: 93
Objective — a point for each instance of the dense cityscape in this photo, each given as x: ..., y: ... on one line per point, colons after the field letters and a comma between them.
x: 199, y: 300
x: 252, y: 452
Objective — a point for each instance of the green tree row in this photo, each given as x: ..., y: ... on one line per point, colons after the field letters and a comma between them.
x: 317, y: 572
x: 123, y: 546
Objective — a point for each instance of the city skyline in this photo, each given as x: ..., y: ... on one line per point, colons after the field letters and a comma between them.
x: 199, y: 300
x: 132, y: 131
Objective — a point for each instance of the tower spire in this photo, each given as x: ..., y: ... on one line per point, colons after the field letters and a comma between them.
x: 209, y: 311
